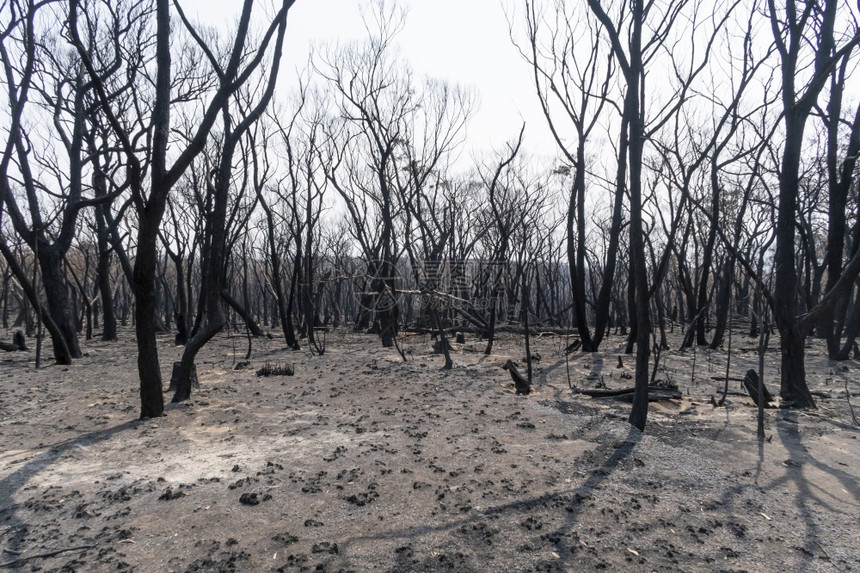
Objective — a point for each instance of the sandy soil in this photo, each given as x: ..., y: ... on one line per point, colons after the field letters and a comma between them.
x: 361, y: 462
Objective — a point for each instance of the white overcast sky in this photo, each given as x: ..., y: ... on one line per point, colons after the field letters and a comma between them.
x: 461, y: 41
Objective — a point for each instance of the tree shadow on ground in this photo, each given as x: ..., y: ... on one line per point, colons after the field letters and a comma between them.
x: 571, y: 500
x: 21, y: 476
x: 808, y: 494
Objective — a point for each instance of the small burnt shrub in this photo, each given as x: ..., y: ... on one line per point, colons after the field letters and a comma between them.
x: 284, y: 369
x: 667, y: 384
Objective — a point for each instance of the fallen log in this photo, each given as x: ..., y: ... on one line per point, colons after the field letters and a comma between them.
x: 655, y: 393
x: 19, y: 342
x: 730, y: 378
x: 6, y: 347
x: 731, y: 392
x: 573, y: 346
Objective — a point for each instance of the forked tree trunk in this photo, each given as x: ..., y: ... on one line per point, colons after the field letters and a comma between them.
x: 277, y: 284
x: 62, y: 354
x: 576, y: 250
x: 57, y: 297
x: 604, y: 297
x: 723, y: 302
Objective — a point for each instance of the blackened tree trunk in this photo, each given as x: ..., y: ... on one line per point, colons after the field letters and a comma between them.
x: 181, y: 309
x: 289, y: 325
x: 243, y: 311
x: 49, y: 254
x: 630, y: 62
x: 724, y: 279
x: 604, y: 296
x: 61, y: 354
x: 103, y: 273
x: 214, y: 275
x: 839, y: 181
x: 503, y: 222
x: 795, y: 32
x: 576, y: 251
x: 852, y: 328
x: 57, y: 297
x: 702, y: 299
x: 580, y: 90
x: 793, y: 386
x: 150, y: 209
x: 4, y: 314
x: 151, y: 396
x: 277, y: 284
x: 633, y: 105
x: 104, y: 255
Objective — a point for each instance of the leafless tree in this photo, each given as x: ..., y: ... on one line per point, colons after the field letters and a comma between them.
x: 804, y: 35
x: 51, y: 188
x: 232, y: 70
x: 390, y: 140
x: 572, y: 72
x: 247, y: 110
x: 639, y: 37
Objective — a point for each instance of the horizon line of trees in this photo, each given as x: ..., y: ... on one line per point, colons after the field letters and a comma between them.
x: 152, y: 175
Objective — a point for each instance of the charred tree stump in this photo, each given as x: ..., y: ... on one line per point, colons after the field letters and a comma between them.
x: 522, y: 385
x: 751, y: 384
